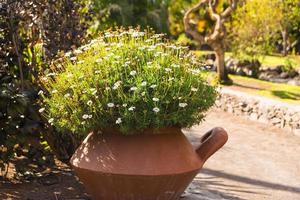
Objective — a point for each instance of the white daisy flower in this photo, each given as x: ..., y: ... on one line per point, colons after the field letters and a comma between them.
x: 40, y: 92
x: 68, y: 54
x: 89, y: 103
x: 144, y: 83
x: 85, y: 116
x: 175, y: 65
x: 155, y: 99
x: 153, y: 86
x: 50, y: 120
x: 132, y: 73
x: 156, y: 109
x: 133, y: 88
x: 98, y: 60
x: 51, y: 74
x: 22, y: 116
x: 110, y: 105
x: 119, y: 121
x: 116, y: 85
x: 168, y: 69
x: 41, y: 110
x: 67, y: 95
x: 194, y: 89
x: 78, y: 51
x: 143, y: 94
x: 138, y: 34
x: 73, y: 58
x: 90, y: 116
x: 182, y: 105
x: 54, y: 91
x: 124, y: 105
x: 131, y: 108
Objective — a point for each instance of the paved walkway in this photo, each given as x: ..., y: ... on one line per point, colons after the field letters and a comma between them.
x: 258, y: 162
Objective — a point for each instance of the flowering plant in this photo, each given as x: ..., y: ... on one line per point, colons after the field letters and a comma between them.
x: 129, y: 80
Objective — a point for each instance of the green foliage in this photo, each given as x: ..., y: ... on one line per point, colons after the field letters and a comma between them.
x: 254, y: 26
x: 288, y: 65
x: 128, y: 80
x: 31, y: 33
x: 185, y: 41
x: 290, y: 22
x: 126, y: 13
x: 257, y: 26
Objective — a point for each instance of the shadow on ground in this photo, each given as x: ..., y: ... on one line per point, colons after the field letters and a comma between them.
x: 208, y: 186
x: 57, y: 185
x: 286, y: 95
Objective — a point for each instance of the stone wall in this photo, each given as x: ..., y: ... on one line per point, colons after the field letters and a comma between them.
x: 261, y: 109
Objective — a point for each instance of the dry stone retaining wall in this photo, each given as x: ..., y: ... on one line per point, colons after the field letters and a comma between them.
x: 261, y: 109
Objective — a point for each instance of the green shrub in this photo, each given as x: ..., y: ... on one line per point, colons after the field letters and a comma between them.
x: 128, y: 80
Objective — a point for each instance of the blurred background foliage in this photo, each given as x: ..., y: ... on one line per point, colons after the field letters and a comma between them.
x: 143, y: 13
x: 35, y: 32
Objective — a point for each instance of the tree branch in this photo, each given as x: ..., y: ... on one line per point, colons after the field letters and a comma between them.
x: 187, y: 26
x: 229, y: 9
x: 218, y: 27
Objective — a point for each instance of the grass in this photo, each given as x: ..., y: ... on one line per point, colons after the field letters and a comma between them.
x: 277, y: 91
x: 268, y: 60
x: 282, y: 92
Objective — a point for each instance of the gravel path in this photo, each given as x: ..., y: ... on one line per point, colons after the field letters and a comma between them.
x: 258, y: 162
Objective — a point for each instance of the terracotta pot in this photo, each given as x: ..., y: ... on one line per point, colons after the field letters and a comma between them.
x: 146, y: 166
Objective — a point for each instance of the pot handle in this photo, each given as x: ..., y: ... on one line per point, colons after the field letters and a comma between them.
x: 211, y: 142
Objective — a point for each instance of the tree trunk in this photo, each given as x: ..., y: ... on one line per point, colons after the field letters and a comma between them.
x: 220, y: 62
x: 284, y: 34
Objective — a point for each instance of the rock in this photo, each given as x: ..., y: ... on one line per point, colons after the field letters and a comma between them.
x: 278, y: 80
x: 263, y: 119
x: 284, y: 75
x: 247, y: 109
x: 253, y: 116
x: 210, y: 62
x: 275, y: 120
x: 287, y: 118
x: 293, y: 73
x: 267, y: 75
x: 279, y: 68
x: 256, y: 110
x: 210, y: 56
x: 240, y: 72
x: 282, y: 123
x: 294, y: 82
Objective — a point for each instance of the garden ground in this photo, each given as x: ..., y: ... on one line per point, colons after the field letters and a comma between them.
x: 258, y: 162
